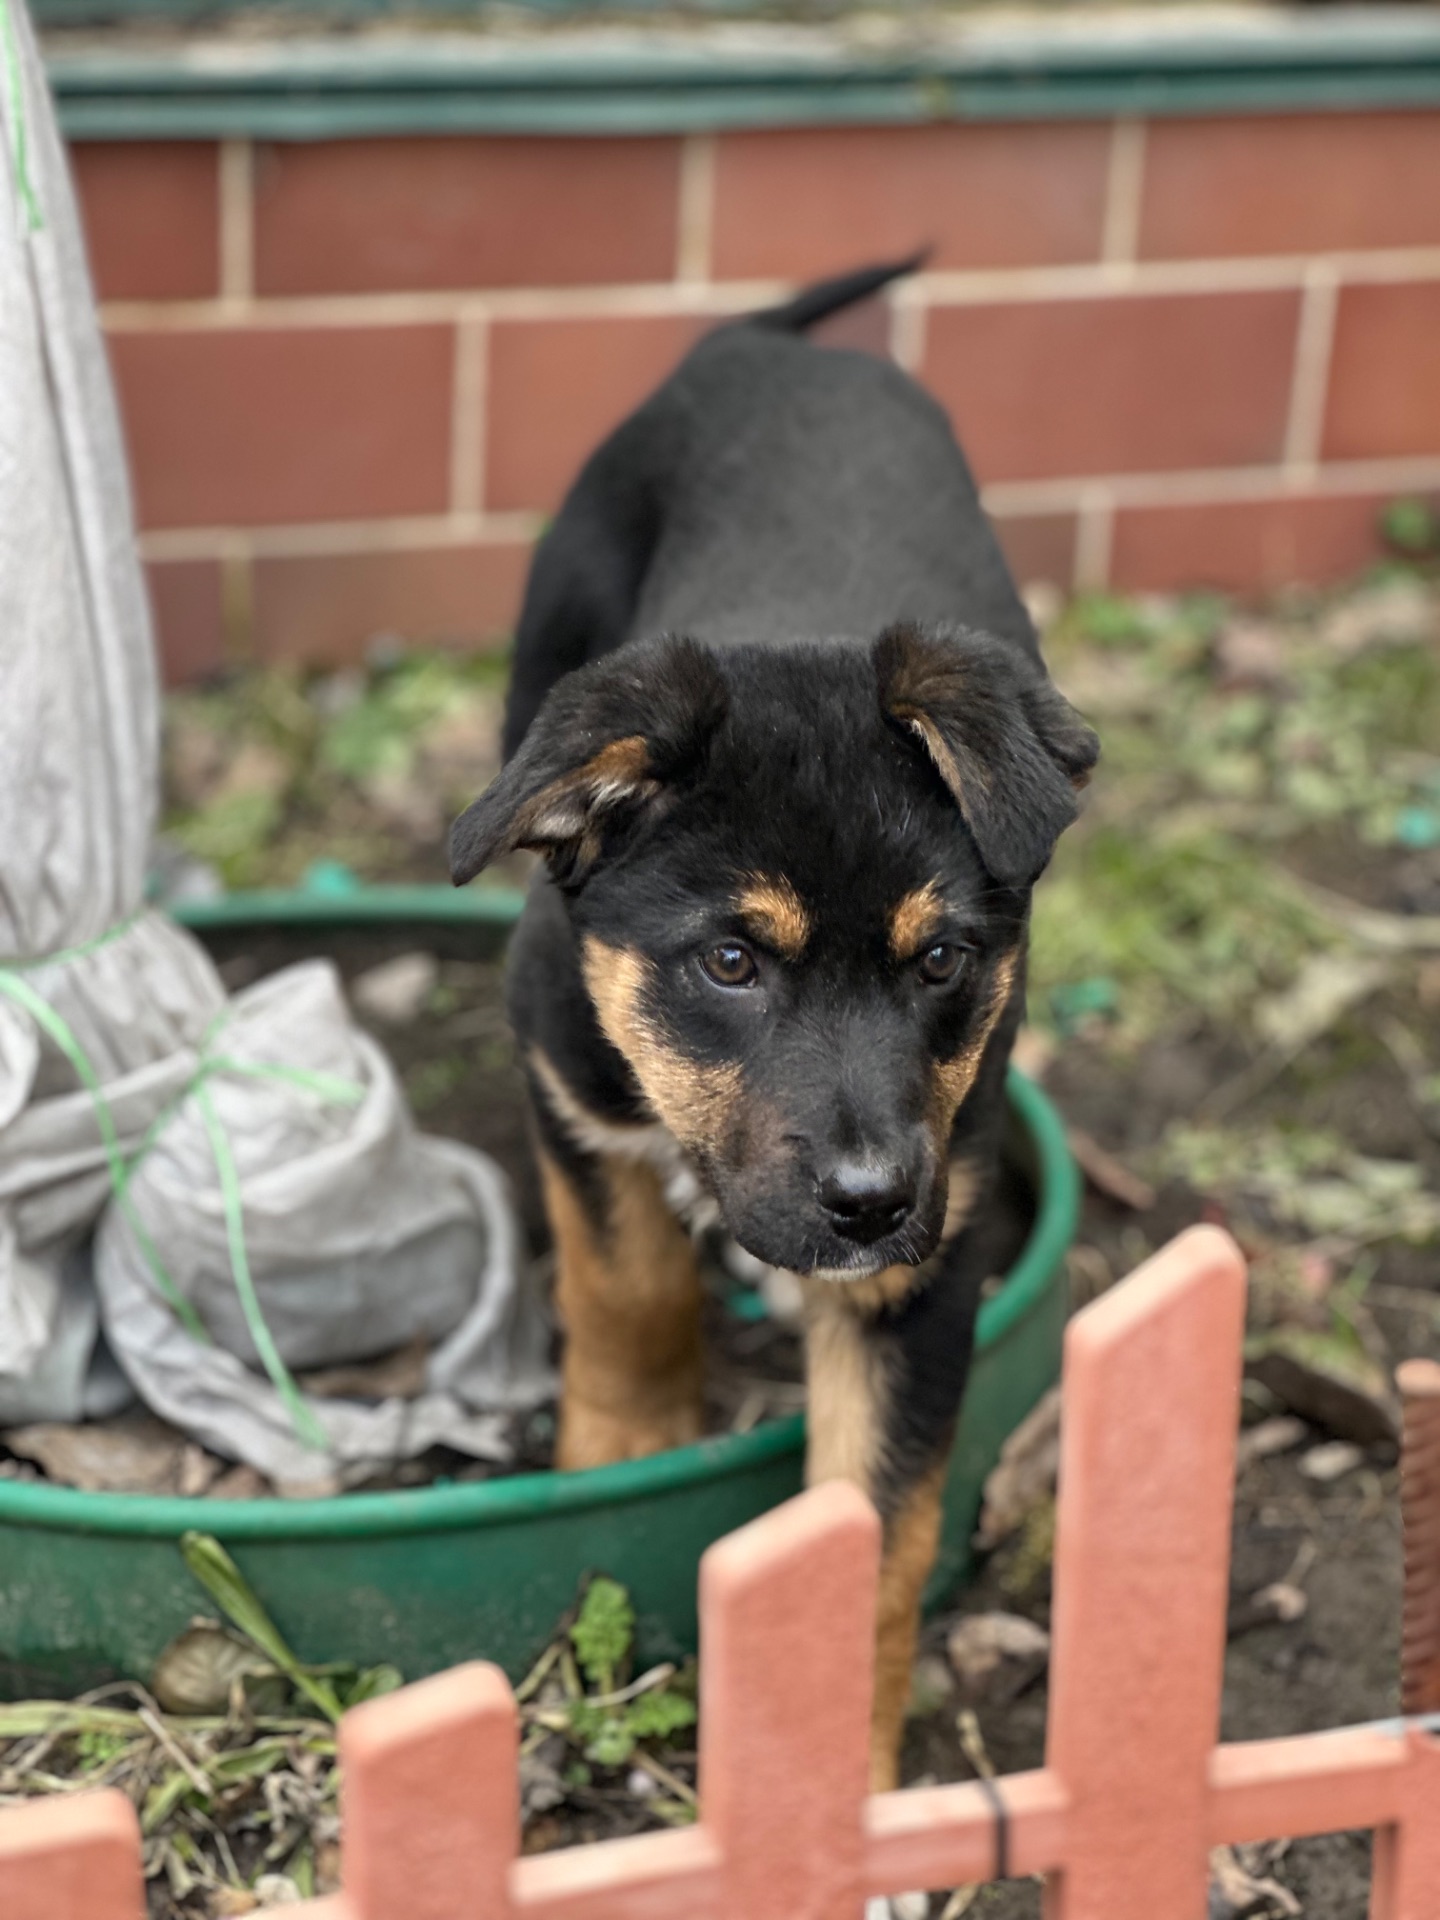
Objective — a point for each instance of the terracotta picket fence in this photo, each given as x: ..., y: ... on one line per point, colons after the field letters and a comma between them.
x: 1134, y: 1793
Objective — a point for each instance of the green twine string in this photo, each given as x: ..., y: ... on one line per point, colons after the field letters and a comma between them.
x: 328, y: 1086
x: 84, y: 947
x: 305, y: 1422
x: 58, y: 1031
x: 14, y: 87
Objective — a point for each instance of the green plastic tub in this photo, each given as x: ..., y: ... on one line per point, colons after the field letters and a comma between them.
x: 92, y: 1586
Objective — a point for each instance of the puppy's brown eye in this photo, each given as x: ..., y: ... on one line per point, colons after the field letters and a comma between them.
x: 941, y: 963
x: 730, y: 965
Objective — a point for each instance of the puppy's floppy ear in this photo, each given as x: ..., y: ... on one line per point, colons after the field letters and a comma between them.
x: 1009, y: 747
x: 608, y: 741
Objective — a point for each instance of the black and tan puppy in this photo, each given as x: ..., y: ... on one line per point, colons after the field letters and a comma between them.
x: 780, y: 727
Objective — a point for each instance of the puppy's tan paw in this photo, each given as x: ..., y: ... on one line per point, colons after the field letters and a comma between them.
x: 884, y: 1764
x: 592, y: 1437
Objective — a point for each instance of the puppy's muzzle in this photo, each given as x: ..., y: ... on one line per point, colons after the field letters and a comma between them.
x: 866, y: 1200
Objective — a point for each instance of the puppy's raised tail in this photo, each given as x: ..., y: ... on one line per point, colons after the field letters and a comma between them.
x: 830, y: 296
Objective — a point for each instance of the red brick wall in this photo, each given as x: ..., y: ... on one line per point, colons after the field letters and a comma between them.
x: 356, y: 376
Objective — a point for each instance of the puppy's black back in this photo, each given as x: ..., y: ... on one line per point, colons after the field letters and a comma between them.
x: 770, y: 489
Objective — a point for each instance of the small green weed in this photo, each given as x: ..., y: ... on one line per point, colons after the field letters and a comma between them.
x: 578, y: 1691
x: 603, y: 1631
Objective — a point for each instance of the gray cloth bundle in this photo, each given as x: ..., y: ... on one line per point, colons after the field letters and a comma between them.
x: 145, y: 1121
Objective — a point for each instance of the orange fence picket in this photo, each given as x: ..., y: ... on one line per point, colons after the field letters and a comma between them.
x: 1134, y: 1793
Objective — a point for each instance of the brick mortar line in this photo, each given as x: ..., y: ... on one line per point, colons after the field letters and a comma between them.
x: 237, y: 600
x: 236, y: 189
x: 695, y: 212
x: 1309, y: 391
x: 647, y: 300
x: 340, y: 538
x: 1094, y: 536
x: 1124, y: 190
x: 1084, y: 280
x: 1213, y: 485
x: 1013, y: 499
x: 907, y: 334
x: 467, y: 417
x: 1099, y: 280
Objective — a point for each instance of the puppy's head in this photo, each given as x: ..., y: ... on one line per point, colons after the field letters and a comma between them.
x: 800, y: 879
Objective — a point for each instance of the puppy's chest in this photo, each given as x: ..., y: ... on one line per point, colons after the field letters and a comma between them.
x: 698, y: 1211
x: 650, y: 1144
x: 686, y: 1194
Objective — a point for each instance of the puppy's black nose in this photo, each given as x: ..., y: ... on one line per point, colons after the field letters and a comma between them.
x: 866, y: 1199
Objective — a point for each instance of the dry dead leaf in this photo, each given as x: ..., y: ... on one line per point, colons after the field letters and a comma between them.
x: 1107, y: 1174
x: 1284, y: 1602
x: 1354, y: 1405
x: 395, y: 991
x: 1331, y: 1462
x: 1279, y: 1604
x: 1327, y: 987
x: 1390, y: 932
x: 960, y: 1902
x: 1238, y: 1891
x: 1269, y: 1437
x: 394, y: 1376
x: 226, y: 1903
x: 199, y: 1471
x: 986, y: 1647
x: 277, y: 1890
x: 323, y: 1487
x: 241, y: 1483
x: 1025, y: 1475
x: 132, y: 1454
x: 327, y: 1866
x: 197, y: 1670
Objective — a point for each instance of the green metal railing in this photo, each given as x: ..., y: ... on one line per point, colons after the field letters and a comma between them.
x: 579, y: 75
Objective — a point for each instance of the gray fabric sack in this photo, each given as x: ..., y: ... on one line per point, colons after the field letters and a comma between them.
x: 358, y: 1232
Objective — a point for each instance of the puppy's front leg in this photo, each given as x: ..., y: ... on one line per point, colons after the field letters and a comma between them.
x: 629, y: 1300
x: 886, y: 1360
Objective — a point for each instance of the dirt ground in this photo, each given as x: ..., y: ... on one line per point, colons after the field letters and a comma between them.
x: 1235, y: 1003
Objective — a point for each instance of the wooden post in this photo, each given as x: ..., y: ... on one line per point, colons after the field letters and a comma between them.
x: 71, y: 1860
x: 1152, y: 1390
x: 787, y: 1657
x: 431, y: 1800
x: 1419, y: 1384
x: 1405, y: 1882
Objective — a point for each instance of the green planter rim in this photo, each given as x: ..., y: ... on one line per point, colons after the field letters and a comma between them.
x: 527, y: 1495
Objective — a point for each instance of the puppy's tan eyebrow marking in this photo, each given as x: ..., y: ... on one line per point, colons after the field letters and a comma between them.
x: 775, y: 913
x: 915, y: 919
